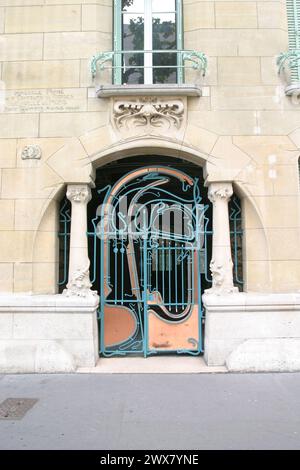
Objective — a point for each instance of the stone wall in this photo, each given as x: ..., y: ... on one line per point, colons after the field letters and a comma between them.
x: 47, y: 333
x: 253, y: 332
x: 243, y: 129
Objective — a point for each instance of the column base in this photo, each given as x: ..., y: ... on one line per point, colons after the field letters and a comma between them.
x: 222, y: 290
x: 80, y: 285
x: 73, y: 291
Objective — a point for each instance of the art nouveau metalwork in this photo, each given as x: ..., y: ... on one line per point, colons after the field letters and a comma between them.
x: 236, y: 237
x: 101, y: 62
x: 150, y: 252
x: 151, y: 259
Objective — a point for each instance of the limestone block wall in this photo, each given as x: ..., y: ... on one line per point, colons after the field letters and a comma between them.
x: 257, y: 125
x: 243, y: 129
x: 253, y: 332
x: 47, y: 333
x: 45, y: 54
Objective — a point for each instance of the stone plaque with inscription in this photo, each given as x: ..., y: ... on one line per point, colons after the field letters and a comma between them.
x: 39, y: 101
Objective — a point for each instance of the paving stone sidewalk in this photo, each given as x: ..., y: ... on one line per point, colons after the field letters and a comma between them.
x: 197, y: 411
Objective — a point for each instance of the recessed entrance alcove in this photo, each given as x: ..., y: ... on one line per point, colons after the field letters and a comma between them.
x: 150, y: 248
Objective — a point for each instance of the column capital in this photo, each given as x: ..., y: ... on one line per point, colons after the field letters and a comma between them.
x: 79, y: 193
x: 220, y: 191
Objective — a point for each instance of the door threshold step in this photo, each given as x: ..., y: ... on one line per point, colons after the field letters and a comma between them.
x: 152, y: 365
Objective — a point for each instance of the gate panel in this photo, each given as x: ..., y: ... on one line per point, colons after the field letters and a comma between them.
x: 152, y: 234
x: 180, y: 326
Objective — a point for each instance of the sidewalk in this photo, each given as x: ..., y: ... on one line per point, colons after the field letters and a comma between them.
x: 184, y: 411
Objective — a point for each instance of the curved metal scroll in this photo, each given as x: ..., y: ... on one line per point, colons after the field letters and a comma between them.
x: 137, y: 244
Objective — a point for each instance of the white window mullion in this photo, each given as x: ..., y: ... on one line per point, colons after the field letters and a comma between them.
x: 148, y: 57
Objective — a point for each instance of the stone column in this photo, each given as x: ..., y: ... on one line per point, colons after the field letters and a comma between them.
x: 221, y: 265
x: 79, y: 277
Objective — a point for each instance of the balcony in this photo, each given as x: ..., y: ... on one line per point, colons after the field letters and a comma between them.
x: 159, y: 72
x: 289, y: 66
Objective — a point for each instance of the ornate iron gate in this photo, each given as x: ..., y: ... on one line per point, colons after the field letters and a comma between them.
x: 152, y: 233
x: 150, y: 238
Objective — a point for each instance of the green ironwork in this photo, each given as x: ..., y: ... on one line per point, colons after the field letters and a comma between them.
x: 291, y: 58
x: 98, y: 61
x: 157, y: 258
x: 64, y: 237
x: 198, y: 59
x: 146, y: 53
x: 166, y: 259
x: 236, y: 236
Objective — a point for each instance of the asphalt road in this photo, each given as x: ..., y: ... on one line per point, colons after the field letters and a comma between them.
x: 158, y: 412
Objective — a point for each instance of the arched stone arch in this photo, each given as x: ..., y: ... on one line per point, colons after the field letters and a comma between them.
x: 148, y: 146
x: 88, y: 154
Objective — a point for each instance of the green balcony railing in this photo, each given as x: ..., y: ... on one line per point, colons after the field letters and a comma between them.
x: 290, y: 60
x: 149, y: 67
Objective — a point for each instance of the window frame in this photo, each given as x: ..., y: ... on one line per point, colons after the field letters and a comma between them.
x: 148, y: 58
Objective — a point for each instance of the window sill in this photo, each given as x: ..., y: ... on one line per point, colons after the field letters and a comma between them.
x: 107, y: 91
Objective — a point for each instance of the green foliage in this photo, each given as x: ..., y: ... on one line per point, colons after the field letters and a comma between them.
x: 127, y: 3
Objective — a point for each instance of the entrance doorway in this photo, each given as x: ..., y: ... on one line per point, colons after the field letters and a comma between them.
x: 150, y: 244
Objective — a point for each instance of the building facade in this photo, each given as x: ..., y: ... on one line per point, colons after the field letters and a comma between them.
x: 150, y: 197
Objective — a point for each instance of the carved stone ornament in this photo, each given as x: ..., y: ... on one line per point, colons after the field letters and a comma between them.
x: 222, y: 283
x: 217, y: 272
x: 219, y: 193
x: 79, y: 194
x: 80, y: 284
x: 31, y: 152
x: 148, y: 114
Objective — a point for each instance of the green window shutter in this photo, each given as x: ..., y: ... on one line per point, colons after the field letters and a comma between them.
x: 293, y: 16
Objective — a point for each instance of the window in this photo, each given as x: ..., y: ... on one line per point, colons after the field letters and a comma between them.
x: 147, y: 38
